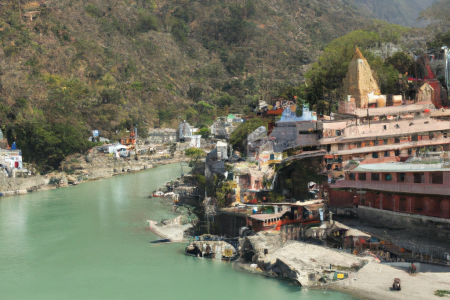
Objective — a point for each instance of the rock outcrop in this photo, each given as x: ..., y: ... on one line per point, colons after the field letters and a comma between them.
x: 301, y: 262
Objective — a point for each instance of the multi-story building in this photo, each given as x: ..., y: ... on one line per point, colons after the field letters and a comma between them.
x: 412, y: 188
x: 368, y: 125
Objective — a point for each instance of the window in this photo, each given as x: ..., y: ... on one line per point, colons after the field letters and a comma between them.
x: 426, y: 122
x: 401, y: 177
x: 387, y: 153
x: 352, y: 176
x: 397, y: 126
x: 385, y: 142
x: 374, y: 154
x: 419, y: 177
x: 437, y: 177
x: 384, y: 127
x: 387, y: 177
x: 362, y: 176
x: 409, y: 151
x: 397, y: 152
x: 375, y: 177
x: 338, y: 133
x: 411, y: 124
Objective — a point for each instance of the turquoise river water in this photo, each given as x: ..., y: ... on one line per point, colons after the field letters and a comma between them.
x: 91, y: 242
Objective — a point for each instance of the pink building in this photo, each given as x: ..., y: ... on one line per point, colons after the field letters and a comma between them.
x: 414, y: 188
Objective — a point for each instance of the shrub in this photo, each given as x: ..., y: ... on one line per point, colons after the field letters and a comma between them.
x: 179, y: 31
x: 147, y: 22
x: 93, y: 10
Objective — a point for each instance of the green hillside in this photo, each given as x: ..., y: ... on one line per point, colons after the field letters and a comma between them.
x: 402, y: 12
x: 71, y: 66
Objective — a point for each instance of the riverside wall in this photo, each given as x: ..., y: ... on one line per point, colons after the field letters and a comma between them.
x: 83, y: 168
x: 228, y: 224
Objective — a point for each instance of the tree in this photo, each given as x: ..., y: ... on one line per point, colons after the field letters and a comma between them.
x: 401, y: 61
x: 240, y: 134
x: 204, y: 132
x: 327, y: 74
x: 195, y: 154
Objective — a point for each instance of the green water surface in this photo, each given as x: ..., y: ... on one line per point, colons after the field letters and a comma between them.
x: 91, y: 242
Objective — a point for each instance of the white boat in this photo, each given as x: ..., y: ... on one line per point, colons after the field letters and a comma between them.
x: 158, y: 194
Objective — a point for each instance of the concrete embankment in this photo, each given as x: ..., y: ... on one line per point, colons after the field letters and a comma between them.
x: 20, y: 186
x: 172, y: 229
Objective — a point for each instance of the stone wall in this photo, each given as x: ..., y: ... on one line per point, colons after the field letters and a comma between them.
x: 17, y: 186
x: 228, y: 224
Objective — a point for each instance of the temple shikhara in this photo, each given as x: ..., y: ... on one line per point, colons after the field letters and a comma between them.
x: 359, y: 82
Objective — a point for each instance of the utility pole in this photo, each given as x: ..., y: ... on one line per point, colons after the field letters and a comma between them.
x: 446, y: 57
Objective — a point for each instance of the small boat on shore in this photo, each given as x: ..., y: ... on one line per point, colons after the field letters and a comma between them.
x: 158, y: 194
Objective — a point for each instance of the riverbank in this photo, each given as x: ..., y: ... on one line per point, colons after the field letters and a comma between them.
x: 374, y: 282
x: 320, y: 268
x: 78, y: 169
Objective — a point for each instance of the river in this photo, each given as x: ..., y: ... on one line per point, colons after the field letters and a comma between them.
x: 91, y: 242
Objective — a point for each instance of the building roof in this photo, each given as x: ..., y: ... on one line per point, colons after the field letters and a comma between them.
x: 358, y: 54
x: 298, y: 203
x: 380, y: 160
x: 402, y: 167
x: 221, y: 144
x: 349, y: 231
x: 391, y: 110
x: 440, y: 113
x: 263, y: 217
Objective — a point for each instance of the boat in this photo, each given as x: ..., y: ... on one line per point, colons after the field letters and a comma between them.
x: 158, y: 194
x: 160, y: 241
x: 193, y: 250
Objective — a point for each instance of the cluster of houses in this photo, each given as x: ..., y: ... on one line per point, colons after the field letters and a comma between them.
x: 383, y: 154
x: 10, y: 158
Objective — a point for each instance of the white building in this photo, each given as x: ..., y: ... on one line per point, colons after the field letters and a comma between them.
x: 221, y: 150
x: 194, y: 141
x: 11, y: 159
x: 184, y: 130
x: 115, y: 147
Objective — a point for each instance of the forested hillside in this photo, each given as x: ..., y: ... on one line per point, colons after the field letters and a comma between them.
x: 70, y: 66
x: 402, y: 12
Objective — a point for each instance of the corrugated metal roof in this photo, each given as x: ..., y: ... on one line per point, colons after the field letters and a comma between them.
x: 402, y: 167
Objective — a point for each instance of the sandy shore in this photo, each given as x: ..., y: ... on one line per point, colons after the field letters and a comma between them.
x: 374, y: 281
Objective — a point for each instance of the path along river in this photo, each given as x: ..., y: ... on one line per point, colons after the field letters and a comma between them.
x: 91, y: 242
